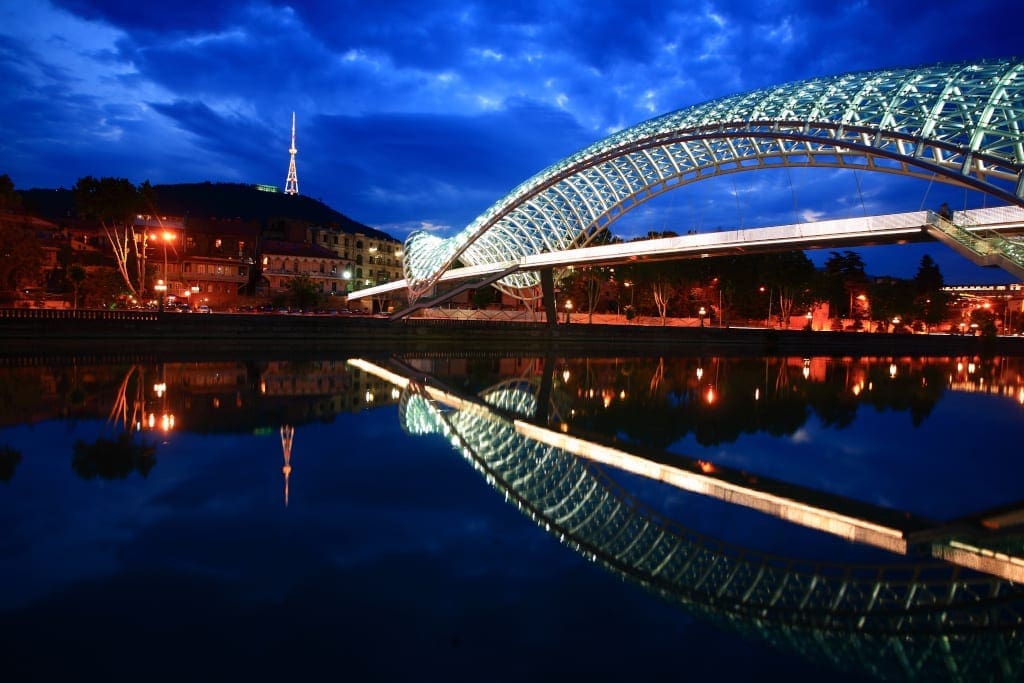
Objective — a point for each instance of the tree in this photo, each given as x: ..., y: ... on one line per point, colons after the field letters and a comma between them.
x: 76, y: 276
x: 931, y: 303
x: 586, y: 284
x: 844, y: 280
x: 303, y: 293
x: 790, y: 276
x: 891, y: 299
x: 9, y: 459
x: 115, y: 202
x: 21, y: 255
x: 9, y: 199
x: 113, y: 458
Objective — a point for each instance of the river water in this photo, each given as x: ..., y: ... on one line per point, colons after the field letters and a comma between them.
x: 505, y: 518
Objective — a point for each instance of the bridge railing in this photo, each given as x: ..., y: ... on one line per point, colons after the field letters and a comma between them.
x: 74, y: 314
x: 985, y: 246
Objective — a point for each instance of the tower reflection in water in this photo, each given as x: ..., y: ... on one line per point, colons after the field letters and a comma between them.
x: 954, y: 618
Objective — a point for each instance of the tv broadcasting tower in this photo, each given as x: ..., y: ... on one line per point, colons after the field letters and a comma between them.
x: 291, y: 184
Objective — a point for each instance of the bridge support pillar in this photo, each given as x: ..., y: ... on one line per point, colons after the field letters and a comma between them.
x: 547, y: 289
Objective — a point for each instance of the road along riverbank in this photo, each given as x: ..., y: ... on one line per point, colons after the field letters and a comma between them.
x: 183, y: 336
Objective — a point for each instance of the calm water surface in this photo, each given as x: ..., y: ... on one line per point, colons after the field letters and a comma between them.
x: 496, y: 519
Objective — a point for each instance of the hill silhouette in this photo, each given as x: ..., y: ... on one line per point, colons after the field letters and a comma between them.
x: 214, y: 200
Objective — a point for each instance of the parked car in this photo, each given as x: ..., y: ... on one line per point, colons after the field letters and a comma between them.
x: 203, y: 308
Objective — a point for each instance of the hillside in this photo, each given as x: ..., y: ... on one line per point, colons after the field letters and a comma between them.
x: 213, y: 200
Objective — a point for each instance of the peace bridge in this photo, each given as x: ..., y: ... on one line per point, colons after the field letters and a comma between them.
x: 921, y: 620
x: 959, y: 124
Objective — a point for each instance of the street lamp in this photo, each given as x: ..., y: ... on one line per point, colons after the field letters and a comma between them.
x: 701, y: 313
x: 165, y: 237
x: 568, y: 310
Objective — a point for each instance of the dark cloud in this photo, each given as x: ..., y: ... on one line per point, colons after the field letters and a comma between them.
x: 427, y: 113
x: 156, y: 17
x: 447, y: 165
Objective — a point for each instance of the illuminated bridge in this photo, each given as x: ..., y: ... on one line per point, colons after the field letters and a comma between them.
x: 959, y: 124
x: 923, y: 620
x: 988, y: 237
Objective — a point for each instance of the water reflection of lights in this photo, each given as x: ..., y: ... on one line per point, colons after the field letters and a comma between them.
x: 166, y: 422
x: 807, y: 368
x: 159, y: 389
x: 710, y: 396
x: 700, y: 373
x: 892, y: 370
x: 566, y: 375
x: 368, y: 397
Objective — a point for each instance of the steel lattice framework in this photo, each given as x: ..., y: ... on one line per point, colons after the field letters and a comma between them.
x: 960, y: 123
x: 918, y: 621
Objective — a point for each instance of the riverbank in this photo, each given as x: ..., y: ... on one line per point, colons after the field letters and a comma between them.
x: 41, y: 333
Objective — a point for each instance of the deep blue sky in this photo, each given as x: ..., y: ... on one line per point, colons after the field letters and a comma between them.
x: 421, y: 115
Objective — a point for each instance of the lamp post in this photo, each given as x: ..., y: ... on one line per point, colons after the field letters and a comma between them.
x: 568, y: 310
x: 165, y: 237
x: 632, y: 312
x: 700, y: 314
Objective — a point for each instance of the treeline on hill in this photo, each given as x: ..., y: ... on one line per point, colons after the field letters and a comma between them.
x: 211, y: 200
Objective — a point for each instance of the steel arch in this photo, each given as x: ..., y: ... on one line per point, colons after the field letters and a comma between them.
x: 960, y: 123
x: 887, y: 617
x: 922, y: 621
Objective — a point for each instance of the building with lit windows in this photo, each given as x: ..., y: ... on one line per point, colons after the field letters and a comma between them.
x: 200, y: 261
x: 375, y: 257
x: 285, y: 261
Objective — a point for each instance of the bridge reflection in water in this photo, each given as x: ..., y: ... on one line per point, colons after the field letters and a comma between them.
x: 915, y: 620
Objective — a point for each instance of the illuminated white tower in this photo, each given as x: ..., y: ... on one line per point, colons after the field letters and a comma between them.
x: 291, y: 184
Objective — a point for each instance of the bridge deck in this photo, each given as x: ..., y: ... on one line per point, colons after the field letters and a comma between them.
x: 862, y: 231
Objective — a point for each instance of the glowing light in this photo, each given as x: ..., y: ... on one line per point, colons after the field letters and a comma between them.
x: 566, y: 375
x: 160, y: 388
x: 705, y: 466
x: 622, y: 395
x: 395, y: 393
x: 971, y: 368
x: 757, y: 394
x: 369, y: 396
x: 700, y: 373
x: 710, y: 396
x: 892, y: 370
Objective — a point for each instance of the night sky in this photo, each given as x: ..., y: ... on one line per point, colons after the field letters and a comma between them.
x: 415, y: 115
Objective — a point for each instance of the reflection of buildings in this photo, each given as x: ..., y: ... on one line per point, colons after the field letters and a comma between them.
x: 221, y: 396
x: 920, y: 620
